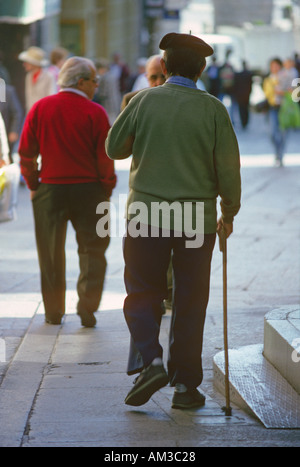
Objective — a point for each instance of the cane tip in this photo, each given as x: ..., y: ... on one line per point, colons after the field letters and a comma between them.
x: 228, y: 411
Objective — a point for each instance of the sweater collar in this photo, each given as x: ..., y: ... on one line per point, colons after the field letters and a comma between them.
x: 182, y: 81
x: 75, y: 91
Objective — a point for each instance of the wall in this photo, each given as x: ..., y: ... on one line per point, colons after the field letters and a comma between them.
x: 102, y: 27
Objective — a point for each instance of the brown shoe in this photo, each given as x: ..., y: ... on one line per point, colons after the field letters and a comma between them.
x: 88, y: 320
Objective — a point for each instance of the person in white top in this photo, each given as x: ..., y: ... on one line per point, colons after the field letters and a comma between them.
x: 289, y: 73
x: 38, y: 83
x: 141, y: 81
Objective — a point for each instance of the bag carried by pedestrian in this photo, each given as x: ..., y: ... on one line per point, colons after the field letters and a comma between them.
x: 289, y: 113
x: 9, y: 183
x: 2, y: 181
x: 262, y: 106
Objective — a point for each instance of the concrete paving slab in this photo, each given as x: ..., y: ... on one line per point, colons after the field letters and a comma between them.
x: 69, y: 393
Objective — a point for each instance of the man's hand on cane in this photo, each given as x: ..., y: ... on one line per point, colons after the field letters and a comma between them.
x: 227, y: 228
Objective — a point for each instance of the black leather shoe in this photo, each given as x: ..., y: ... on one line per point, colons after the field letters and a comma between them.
x: 152, y: 378
x: 191, y: 399
x: 88, y: 320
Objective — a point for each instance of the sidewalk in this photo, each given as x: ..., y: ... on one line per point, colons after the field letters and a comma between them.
x: 65, y: 385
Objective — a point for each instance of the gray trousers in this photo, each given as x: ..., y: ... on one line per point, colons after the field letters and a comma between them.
x: 53, y: 206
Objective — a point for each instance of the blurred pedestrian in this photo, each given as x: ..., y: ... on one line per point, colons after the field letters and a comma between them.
x: 58, y: 56
x: 297, y: 63
x: 38, y: 82
x: 108, y: 93
x: 214, y: 82
x: 140, y: 81
x: 242, y: 92
x: 289, y: 73
x: 3, y: 70
x: 182, y: 143
x: 226, y: 74
x: 154, y: 75
x: 273, y: 87
x: 69, y: 132
x: 120, y: 71
x: 12, y: 114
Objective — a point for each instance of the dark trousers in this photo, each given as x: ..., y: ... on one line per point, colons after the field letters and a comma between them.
x: 146, y: 265
x: 244, y: 114
x: 53, y: 207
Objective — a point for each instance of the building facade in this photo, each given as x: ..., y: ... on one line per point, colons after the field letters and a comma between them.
x: 254, y: 31
x: 237, y: 12
x: 99, y: 28
x: 24, y: 23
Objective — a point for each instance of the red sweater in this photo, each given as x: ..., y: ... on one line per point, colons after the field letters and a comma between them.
x: 69, y: 132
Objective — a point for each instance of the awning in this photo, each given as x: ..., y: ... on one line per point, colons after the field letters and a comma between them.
x: 27, y: 11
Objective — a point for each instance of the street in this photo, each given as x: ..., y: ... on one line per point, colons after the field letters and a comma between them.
x: 65, y: 385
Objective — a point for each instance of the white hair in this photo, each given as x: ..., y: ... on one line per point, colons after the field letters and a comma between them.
x: 73, y: 70
x: 153, y: 59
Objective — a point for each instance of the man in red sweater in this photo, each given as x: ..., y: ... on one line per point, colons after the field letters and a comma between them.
x: 68, y: 131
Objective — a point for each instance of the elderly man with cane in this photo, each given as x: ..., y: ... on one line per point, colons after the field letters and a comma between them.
x: 68, y: 131
x: 184, y: 150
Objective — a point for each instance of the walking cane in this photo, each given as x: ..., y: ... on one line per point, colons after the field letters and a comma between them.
x: 223, y: 249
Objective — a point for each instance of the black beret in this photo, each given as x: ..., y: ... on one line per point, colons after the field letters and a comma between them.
x: 174, y: 40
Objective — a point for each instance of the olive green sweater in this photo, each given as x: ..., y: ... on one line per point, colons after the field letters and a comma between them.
x: 183, y: 148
